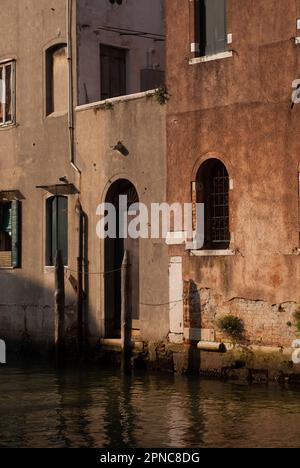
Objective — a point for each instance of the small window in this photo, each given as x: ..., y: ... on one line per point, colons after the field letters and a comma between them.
x: 7, y: 93
x: 212, y: 27
x: 113, y: 71
x: 57, y: 79
x: 10, y: 234
x: 56, y: 229
x: 212, y: 189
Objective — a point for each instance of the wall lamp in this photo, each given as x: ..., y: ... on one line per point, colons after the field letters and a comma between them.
x: 120, y: 148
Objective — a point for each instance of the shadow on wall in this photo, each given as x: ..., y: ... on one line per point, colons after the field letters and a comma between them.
x: 194, y: 322
x: 27, y: 314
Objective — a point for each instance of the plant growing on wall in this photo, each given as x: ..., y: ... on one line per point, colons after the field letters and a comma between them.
x: 104, y: 106
x: 232, y: 326
x: 161, y: 95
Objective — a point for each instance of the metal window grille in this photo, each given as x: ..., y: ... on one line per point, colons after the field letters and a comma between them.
x: 219, y: 202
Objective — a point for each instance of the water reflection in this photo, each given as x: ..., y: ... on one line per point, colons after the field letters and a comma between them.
x: 96, y: 408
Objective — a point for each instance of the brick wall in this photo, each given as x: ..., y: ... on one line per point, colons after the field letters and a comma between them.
x: 265, y: 324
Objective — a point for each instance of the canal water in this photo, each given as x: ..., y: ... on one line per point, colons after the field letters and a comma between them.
x: 100, y: 408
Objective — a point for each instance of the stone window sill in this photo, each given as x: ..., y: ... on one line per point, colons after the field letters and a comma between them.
x: 51, y: 269
x: 212, y: 253
x: 210, y: 58
x: 56, y: 114
x: 8, y: 126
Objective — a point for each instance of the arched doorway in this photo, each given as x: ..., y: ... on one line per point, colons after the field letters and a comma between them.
x: 114, y: 254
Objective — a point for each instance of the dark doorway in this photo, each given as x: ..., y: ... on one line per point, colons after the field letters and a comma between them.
x: 114, y: 254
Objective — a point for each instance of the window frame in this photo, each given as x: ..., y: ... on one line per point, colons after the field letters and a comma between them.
x: 204, y: 32
x: 202, y: 193
x: 115, y: 48
x: 49, y: 241
x: 49, y: 82
x: 15, y: 233
x: 4, y: 65
x: 198, y: 51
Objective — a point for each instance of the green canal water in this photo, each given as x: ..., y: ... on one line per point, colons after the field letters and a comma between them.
x: 100, y: 408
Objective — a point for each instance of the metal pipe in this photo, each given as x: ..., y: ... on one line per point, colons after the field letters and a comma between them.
x: 211, y: 346
x: 69, y: 14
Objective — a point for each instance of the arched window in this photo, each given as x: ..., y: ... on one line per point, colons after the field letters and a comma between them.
x: 56, y: 79
x: 56, y: 229
x: 212, y: 189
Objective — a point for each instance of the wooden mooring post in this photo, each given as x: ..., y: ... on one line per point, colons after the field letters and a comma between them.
x: 59, y: 308
x: 125, y: 315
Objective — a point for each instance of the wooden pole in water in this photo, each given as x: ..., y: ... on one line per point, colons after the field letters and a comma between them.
x: 125, y: 315
x: 80, y: 280
x: 59, y: 307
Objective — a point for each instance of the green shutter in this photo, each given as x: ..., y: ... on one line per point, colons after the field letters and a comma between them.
x: 54, y: 227
x: 16, y: 233
x: 57, y: 229
x: 213, y: 27
x: 6, y: 218
x: 62, y: 227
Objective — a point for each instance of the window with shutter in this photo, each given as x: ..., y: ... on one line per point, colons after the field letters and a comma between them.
x: 113, y: 71
x: 212, y: 27
x: 56, y: 229
x: 10, y: 234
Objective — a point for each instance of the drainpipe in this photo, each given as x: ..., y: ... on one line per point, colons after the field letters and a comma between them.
x: 78, y: 208
x: 69, y: 14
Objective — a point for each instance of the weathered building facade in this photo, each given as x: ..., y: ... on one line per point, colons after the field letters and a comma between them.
x: 233, y: 144
x: 34, y: 151
x: 121, y: 148
x: 62, y: 122
x: 82, y: 123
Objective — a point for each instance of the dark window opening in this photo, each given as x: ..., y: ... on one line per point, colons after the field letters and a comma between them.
x: 212, y: 27
x: 56, y: 79
x: 213, y: 190
x: 113, y: 71
x: 56, y: 229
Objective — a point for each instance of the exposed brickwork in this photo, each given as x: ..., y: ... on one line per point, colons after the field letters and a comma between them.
x: 265, y: 324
